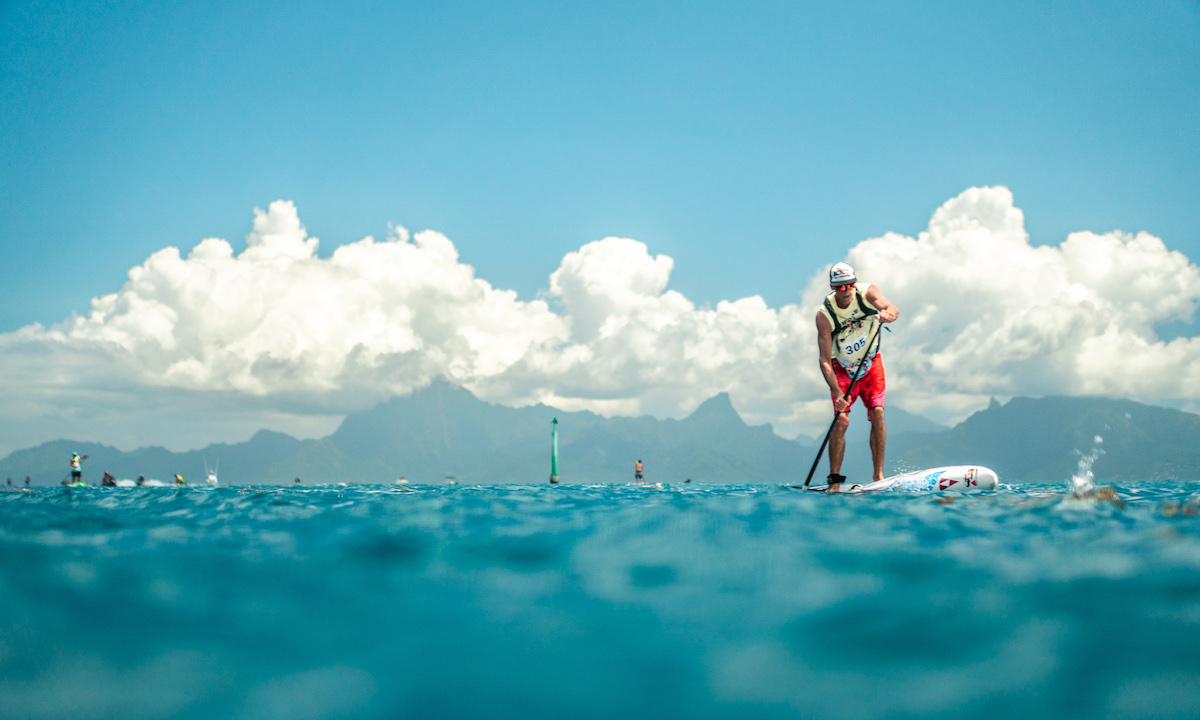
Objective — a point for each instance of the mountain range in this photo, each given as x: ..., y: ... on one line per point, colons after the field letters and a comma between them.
x: 444, y: 432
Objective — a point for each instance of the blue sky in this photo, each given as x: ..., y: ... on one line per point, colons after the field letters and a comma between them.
x: 751, y: 142
x: 740, y: 148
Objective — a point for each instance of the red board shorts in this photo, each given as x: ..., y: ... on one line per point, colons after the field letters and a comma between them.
x: 871, y: 388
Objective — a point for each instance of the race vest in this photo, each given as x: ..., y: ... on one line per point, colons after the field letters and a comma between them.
x: 853, y: 328
x: 74, y: 462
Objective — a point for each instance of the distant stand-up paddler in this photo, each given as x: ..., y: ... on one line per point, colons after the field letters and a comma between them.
x: 77, y: 468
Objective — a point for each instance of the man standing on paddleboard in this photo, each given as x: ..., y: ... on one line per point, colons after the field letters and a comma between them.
x: 847, y: 325
x: 77, y: 468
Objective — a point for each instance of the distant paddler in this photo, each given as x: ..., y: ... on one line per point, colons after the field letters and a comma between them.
x: 77, y: 468
x: 848, y: 325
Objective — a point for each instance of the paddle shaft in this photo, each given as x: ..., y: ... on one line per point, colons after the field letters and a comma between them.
x: 857, y: 372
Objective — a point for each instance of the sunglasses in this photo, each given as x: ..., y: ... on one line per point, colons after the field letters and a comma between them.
x: 843, y: 288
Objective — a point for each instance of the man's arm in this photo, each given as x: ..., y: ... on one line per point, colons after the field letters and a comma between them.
x: 887, y: 311
x: 825, y: 357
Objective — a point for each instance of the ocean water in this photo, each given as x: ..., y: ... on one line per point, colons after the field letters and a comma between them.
x: 691, y: 601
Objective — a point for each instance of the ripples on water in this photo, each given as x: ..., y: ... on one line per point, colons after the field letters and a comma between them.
x: 595, y: 602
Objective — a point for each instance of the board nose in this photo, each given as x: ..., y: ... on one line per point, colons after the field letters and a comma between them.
x: 985, y: 479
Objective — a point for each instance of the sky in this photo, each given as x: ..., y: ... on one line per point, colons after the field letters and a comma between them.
x: 629, y: 206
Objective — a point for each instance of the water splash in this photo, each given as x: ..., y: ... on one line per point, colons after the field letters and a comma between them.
x: 1082, y: 482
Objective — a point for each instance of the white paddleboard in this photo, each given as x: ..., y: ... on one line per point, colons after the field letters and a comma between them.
x: 952, y: 478
x: 126, y: 483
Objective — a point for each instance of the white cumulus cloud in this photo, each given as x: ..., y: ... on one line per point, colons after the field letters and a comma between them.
x: 987, y: 313
x: 280, y: 334
x: 277, y: 319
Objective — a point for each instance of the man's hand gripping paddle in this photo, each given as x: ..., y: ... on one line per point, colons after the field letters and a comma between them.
x: 857, y: 371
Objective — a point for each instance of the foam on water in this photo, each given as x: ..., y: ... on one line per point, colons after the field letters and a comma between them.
x: 508, y: 601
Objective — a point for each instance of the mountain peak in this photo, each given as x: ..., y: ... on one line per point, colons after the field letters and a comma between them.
x: 717, y: 409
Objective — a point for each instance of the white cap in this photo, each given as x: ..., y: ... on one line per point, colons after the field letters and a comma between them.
x: 841, y: 274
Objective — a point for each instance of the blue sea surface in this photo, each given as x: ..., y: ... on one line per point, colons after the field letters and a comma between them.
x: 693, y: 601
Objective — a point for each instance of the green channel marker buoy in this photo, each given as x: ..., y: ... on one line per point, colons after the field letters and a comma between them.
x: 554, y: 451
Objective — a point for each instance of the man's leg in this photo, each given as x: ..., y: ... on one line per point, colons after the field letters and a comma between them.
x: 878, y: 440
x: 837, y: 444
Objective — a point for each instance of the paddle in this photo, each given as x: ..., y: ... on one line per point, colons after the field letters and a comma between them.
x: 857, y: 371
